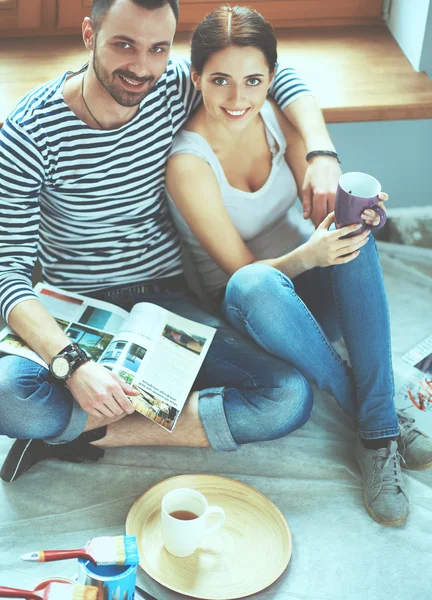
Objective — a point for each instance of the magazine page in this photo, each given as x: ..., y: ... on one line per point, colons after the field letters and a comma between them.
x: 127, y: 349
x: 415, y: 395
x: 90, y: 323
x: 160, y: 355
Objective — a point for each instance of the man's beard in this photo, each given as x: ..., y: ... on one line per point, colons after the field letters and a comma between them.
x: 121, y: 96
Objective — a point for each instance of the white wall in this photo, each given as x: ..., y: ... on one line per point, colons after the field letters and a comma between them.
x: 397, y: 153
x: 407, y: 22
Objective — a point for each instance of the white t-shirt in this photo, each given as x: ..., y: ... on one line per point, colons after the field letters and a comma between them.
x: 270, y: 221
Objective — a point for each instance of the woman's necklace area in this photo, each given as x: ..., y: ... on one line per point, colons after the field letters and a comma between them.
x: 86, y: 105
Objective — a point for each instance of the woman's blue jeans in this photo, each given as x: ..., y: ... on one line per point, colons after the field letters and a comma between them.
x: 246, y: 395
x: 296, y: 321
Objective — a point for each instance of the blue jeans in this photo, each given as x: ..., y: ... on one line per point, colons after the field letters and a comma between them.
x: 297, y: 320
x: 246, y: 394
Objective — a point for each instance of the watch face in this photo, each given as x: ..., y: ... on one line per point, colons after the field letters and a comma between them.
x: 60, y: 367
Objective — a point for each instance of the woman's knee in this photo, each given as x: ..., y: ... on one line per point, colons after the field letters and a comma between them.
x: 254, y: 282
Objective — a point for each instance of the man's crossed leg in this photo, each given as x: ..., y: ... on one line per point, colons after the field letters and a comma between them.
x: 242, y: 395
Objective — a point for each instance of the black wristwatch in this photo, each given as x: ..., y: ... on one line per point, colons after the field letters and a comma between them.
x: 67, y: 361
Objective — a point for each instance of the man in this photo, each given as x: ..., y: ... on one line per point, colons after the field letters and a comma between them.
x: 82, y: 189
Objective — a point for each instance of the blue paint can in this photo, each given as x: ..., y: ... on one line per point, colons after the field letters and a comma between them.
x: 113, y: 582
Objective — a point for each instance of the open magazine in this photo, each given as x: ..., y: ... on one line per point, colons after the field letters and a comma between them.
x: 156, y: 351
x: 415, y: 394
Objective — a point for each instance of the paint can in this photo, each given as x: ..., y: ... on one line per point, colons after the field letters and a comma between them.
x: 114, y: 582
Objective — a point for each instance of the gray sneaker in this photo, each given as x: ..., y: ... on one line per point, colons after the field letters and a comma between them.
x: 415, y: 447
x: 384, y: 491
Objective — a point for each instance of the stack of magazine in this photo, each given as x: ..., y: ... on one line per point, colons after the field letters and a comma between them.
x: 415, y: 395
x: 156, y: 351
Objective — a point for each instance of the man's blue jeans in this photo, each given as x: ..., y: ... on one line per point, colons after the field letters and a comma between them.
x: 296, y: 321
x: 246, y: 395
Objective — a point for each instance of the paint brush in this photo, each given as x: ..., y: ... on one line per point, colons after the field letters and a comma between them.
x: 54, y: 591
x: 119, y: 550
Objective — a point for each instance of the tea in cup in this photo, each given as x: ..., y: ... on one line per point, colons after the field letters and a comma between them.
x: 184, y: 515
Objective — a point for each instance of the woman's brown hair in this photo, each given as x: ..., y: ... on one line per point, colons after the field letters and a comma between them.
x: 232, y: 26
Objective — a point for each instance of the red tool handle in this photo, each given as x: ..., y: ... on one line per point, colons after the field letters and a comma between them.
x: 7, y: 592
x: 50, y: 555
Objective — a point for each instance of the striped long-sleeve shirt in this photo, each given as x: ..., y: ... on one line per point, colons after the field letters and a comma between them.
x: 90, y: 204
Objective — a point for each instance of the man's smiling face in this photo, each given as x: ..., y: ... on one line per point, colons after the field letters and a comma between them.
x: 131, y: 49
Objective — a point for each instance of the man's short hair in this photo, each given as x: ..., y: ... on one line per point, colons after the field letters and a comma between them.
x: 101, y: 7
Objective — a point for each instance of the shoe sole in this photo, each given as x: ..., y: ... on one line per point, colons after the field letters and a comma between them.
x: 8, y: 460
x: 371, y: 512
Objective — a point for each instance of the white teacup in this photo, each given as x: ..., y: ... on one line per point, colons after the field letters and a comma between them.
x: 184, y: 514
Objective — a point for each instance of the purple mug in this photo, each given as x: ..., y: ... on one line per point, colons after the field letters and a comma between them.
x: 356, y: 192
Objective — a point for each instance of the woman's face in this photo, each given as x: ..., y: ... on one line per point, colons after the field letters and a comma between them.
x: 234, y: 85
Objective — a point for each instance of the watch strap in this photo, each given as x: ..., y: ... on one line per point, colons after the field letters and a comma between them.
x: 75, y: 355
x: 73, y: 348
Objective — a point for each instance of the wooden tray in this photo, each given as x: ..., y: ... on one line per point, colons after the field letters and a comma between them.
x: 245, y: 556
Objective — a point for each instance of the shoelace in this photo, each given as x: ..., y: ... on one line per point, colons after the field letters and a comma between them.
x: 391, y: 476
x: 410, y: 430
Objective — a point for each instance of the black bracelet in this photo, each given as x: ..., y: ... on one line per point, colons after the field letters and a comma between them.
x: 314, y: 153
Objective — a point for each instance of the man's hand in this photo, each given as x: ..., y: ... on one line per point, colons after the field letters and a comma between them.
x: 100, y: 392
x: 319, y: 188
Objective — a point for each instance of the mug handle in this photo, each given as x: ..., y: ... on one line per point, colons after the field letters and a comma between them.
x: 382, y: 215
x: 218, y: 525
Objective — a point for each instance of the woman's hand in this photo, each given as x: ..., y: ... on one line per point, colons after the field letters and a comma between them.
x: 370, y: 216
x: 326, y: 248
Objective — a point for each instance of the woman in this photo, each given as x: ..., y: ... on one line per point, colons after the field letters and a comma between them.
x: 232, y: 180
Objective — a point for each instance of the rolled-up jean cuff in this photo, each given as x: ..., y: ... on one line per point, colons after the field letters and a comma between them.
x: 383, y: 433
x: 75, y: 427
x: 214, y: 421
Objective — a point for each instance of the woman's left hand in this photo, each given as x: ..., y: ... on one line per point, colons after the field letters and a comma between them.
x: 371, y: 217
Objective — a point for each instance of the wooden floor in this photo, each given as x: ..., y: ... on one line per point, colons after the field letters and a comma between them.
x: 357, y: 73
